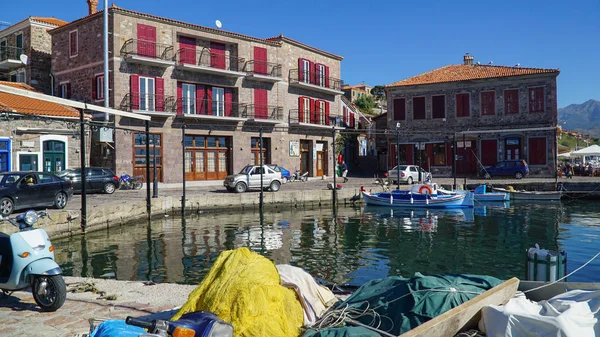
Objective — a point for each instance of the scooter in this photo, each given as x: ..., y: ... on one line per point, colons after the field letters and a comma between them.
x: 299, y: 175
x: 27, y: 260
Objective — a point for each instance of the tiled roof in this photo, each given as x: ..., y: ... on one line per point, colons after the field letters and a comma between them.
x: 461, y: 72
x: 32, y: 106
x: 292, y: 41
x: 50, y: 21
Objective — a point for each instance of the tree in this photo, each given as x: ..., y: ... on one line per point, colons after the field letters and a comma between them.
x: 365, y: 104
x: 378, y: 92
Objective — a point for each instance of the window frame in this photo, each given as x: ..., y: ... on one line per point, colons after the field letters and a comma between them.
x: 71, y: 54
x: 541, y: 101
x: 147, y: 97
x: 506, y: 102
x: 468, y: 100
x: 218, y: 106
x: 443, y: 106
x: 99, y: 83
x: 64, y: 89
x: 484, y: 103
x: 424, y: 107
x: 17, y: 35
x: 188, y: 103
x: 403, y: 117
x: 306, y: 71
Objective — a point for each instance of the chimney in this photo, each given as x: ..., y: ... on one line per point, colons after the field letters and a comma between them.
x: 93, y: 6
x: 468, y: 59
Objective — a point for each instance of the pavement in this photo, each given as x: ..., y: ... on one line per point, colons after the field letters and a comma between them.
x: 19, y: 315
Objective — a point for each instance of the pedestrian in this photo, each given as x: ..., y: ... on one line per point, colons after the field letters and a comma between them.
x: 344, y: 171
x: 569, y: 173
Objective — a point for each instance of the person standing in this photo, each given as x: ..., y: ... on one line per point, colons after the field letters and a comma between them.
x: 344, y: 171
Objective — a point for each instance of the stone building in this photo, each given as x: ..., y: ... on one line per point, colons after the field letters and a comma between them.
x: 36, y: 135
x: 225, y: 87
x: 352, y: 92
x: 502, y: 112
x: 29, y: 38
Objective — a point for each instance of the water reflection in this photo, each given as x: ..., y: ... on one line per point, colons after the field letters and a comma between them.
x: 351, y: 246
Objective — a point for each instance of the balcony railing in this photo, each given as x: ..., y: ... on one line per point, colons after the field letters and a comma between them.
x: 316, y: 78
x: 148, y: 49
x: 263, y: 68
x: 208, y: 59
x: 308, y: 117
x: 266, y: 112
x: 208, y: 107
x: 149, y: 103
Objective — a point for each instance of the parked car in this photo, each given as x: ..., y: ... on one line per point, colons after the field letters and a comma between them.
x: 98, y: 179
x: 19, y: 190
x: 512, y: 168
x: 249, y: 178
x: 285, y: 174
x: 408, y: 174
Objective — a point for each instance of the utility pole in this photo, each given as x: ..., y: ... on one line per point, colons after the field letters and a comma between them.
x: 397, y: 155
x: 260, y: 139
x: 82, y: 145
x: 147, y: 137
x: 454, y: 161
x: 183, y: 170
x: 464, y: 161
x: 155, y: 181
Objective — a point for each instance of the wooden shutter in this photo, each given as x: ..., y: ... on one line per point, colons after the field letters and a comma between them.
x: 146, y: 40
x: 419, y: 108
x: 311, y: 72
x: 201, y: 101
x: 301, y: 109
x: 326, y: 76
x: 326, y: 113
x: 399, y: 109
x: 316, y: 109
x: 229, y: 102
x: 160, y: 94
x: 312, y: 109
x: 209, y: 100
x: 68, y: 90
x: 94, y: 91
x: 179, y: 98
x: 489, y: 150
x: 187, y: 53
x: 217, y: 55
x: 537, y: 151
x: 260, y: 61
x: 488, y: 103
x: 438, y: 106
x: 134, y: 87
x: 260, y: 103
x: 300, y: 70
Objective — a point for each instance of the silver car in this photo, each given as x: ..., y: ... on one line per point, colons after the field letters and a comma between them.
x: 249, y: 177
x: 408, y: 174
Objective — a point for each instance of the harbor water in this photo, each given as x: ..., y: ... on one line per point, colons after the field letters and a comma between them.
x: 354, y: 246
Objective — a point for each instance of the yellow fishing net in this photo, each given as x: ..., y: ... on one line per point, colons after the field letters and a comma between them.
x: 244, y: 289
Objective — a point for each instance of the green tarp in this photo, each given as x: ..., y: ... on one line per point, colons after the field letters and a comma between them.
x: 404, y: 304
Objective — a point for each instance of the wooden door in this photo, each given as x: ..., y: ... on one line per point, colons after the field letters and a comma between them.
x: 320, y: 163
x: 146, y: 43
x: 260, y: 61
x: 260, y: 104
x: 187, y: 48
x: 211, y: 165
x: 470, y: 166
x: 489, y: 152
x: 217, y: 55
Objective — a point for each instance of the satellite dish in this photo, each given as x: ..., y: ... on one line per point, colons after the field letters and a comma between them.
x: 219, y: 24
x: 24, y: 59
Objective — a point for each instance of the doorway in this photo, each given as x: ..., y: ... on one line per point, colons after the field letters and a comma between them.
x: 206, y: 157
x: 54, y: 155
x: 321, y: 159
x: 305, y: 156
x: 512, y: 148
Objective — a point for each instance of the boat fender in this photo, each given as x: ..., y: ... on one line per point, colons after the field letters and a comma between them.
x: 391, y: 199
x: 425, y: 188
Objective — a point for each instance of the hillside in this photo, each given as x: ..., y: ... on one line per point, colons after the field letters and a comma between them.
x: 584, y: 118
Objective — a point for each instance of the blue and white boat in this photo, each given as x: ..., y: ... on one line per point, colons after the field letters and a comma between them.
x: 481, y: 194
x: 420, y: 196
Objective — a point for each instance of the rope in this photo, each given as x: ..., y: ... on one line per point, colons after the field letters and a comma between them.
x: 562, y: 278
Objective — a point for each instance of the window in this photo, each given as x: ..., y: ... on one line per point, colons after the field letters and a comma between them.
x: 98, y: 87
x: 419, y: 108
x: 488, y: 103
x: 19, y: 44
x: 511, y: 101
x: 306, y: 71
x: 18, y: 76
x: 3, y: 50
x: 305, y: 105
x: 439, y: 154
x: 320, y: 107
x: 438, y: 106
x: 463, y: 105
x: 399, y: 109
x: 256, y: 148
x: 139, y: 149
x: 65, y: 90
x: 4, y: 155
x: 218, y: 104
x: 189, y: 98
x: 537, y: 151
x: 73, y: 43
x: 321, y: 72
x: 147, y: 94
x: 536, y: 99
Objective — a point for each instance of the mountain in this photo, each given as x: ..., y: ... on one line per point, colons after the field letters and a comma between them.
x: 584, y: 118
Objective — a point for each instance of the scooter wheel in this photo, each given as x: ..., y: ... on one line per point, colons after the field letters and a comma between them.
x: 53, y: 295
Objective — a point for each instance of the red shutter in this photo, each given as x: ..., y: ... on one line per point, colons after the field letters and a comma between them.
x: 537, y: 151
x: 187, y: 54
x: 94, y: 91
x: 459, y: 105
x: 326, y: 76
x: 217, y: 55
x: 201, y: 102
x: 209, y: 100
x: 179, y: 98
x: 311, y: 72
x: 160, y: 94
x: 399, y: 109
x: 260, y: 61
x: 134, y: 88
x: 228, y: 101
x: 489, y: 150
x: 326, y: 113
x: 68, y: 90
x: 312, y: 110
x: 260, y: 104
x: 409, y: 154
x: 300, y: 70
x: 301, y: 109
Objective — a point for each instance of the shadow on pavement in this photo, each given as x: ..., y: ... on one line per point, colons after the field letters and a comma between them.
x: 14, y: 303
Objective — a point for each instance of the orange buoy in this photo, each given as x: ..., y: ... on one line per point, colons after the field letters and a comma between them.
x: 425, y: 188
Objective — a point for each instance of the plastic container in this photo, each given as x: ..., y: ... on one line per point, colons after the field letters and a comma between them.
x: 545, y: 265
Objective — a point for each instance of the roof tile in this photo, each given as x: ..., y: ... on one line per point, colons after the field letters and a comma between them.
x: 32, y: 106
x: 461, y: 72
x: 50, y: 21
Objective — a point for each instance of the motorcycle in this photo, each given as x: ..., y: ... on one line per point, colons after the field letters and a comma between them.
x: 299, y: 175
x: 27, y: 260
x: 129, y: 183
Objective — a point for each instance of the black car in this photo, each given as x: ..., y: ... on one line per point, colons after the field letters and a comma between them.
x: 20, y: 190
x: 98, y: 179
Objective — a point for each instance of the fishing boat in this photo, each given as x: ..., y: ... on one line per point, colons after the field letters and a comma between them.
x: 481, y: 194
x: 531, y: 195
x: 420, y: 196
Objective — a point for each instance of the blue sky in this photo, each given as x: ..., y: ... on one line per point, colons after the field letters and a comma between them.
x: 386, y: 41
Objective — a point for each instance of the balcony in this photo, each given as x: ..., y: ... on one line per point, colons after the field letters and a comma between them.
x: 9, y: 58
x: 269, y: 114
x: 315, y: 81
x: 210, y: 109
x: 311, y: 119
x: 150, y: 104
x: 207, y: 62
x: 148, y: 53
x: 263, y: 71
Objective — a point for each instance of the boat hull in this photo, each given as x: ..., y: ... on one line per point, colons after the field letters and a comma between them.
x: 418, y: 200
x: 536, y: 196
x: 491, y: 197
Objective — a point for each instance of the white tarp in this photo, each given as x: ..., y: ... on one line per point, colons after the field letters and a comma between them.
x: 593, y: 150
x: 572, y: 314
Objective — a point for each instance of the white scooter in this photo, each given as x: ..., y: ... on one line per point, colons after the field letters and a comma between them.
x: 27, y: 260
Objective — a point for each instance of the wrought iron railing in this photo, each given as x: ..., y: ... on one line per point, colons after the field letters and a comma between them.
x: 263, y: 68
x: 10, y: 53
x: 147, y: 49
x: 255, y: 111
x: 209, y: 107
x: 148, y: 102
x: 310, y: 117
x: 206, y: 58
x: 317, y: 78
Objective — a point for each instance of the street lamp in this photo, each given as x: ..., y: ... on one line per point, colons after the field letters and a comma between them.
x: 397, y: 155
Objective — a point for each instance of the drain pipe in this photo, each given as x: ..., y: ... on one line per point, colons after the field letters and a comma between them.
x: 51, y: 84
